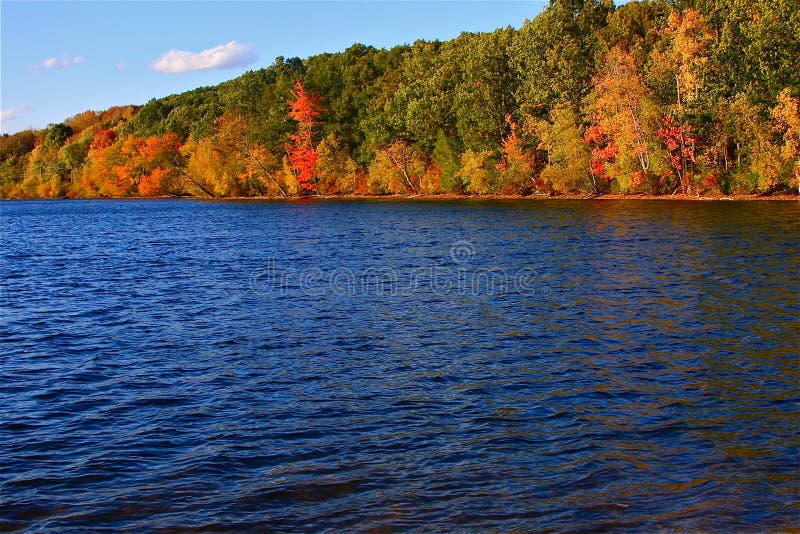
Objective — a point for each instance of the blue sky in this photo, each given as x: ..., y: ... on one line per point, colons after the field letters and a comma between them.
x: 62, y: 58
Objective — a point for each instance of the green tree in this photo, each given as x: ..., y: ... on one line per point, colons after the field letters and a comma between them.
x: 553, y: 54
x: 568, y: 157
x: 446, y: 157
x: 484, y: 96
x: 57, y: 134
x: 424, y: 101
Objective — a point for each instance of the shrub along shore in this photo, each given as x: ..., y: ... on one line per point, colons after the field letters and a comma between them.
x: 445, y: 197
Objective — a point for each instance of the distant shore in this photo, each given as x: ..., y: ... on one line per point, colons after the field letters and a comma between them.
x: 452, y: 196
x: 542, y: 197
x: 608, y: 196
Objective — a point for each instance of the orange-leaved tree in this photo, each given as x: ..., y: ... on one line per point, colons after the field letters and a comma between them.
x: 623, y: 113
x: 162, y: 165
x: 516, y: 163
x: 99, y: 178
x: 150, y: 166
x: 301, y: 152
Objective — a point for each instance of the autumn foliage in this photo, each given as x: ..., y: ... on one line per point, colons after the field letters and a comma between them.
x: 680, y: 143
x: 604, y: 151
x: 646, y: 97
x: 304, y: 108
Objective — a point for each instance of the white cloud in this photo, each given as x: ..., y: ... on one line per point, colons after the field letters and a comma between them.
x: 224, y: 56
x: 57, y: 63
x: 11, y: 113
x: 122, y: 65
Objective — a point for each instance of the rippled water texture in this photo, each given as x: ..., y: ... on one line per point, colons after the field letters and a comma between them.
x: 460, y: 366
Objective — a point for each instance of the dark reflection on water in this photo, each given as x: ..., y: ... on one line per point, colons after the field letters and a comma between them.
x: 642, y: 376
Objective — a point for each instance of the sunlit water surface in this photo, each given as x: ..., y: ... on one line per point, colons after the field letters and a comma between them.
x: 459, y: 366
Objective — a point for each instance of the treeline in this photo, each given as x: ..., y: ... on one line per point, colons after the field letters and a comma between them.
x: 657, y: 97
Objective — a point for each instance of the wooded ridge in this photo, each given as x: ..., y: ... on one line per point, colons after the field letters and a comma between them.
x: 655, y: 97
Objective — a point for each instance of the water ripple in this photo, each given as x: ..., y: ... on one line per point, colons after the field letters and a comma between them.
x: 644, y: 377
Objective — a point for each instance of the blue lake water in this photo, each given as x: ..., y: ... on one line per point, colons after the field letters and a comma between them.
x: 462, y: 366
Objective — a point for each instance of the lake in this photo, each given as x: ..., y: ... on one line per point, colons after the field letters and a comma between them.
x: 463, y: 366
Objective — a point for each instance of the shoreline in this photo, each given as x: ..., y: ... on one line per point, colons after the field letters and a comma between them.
x: 452, y: 196
x: 608, y: 196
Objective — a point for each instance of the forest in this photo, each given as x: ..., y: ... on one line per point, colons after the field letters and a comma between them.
x: 653, y: 97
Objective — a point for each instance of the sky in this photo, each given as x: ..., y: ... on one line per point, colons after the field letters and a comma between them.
x: 61, y: 58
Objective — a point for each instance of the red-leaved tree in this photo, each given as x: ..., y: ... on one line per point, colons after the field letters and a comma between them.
x: 301, y: 152
x: 680, y: 142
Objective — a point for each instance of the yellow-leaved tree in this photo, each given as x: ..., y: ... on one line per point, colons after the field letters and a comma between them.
x: 568, y: 157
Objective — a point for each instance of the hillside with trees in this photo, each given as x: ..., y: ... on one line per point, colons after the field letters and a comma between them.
x: 654, y: 97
